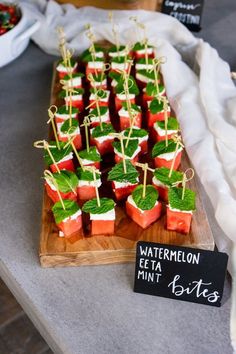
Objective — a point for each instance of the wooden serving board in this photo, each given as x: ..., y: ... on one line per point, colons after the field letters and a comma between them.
x: 84, y: 249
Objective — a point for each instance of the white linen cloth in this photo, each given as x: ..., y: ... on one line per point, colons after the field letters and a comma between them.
x: 198, y: 85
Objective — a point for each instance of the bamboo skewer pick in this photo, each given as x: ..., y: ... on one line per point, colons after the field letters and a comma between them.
x: 62, y: 44
x: 43, y: 144
x: 94, y: 171
x: 165, y: 106
x: 115, y: 32
x: 145, y: 168
x: 49, y: 176
x: 185, y: 180
x: 70, y: 142
x: 121, y: 138
x: 51, y: 113
x: 90, y: 77
x: 177, y: 140
x: 69, y: 91
x: 92, y: 39
x: 86, y: 124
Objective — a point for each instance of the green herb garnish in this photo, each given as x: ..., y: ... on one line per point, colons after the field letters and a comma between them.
x: 161, y: 148
x: 133, y: 106
x: 74, y: 75
x: 66, y: 110
x: 92, y: 207
x: 140, y: 46
x: 162, y: 175
x: 85, y: 175
x: 151, y: 89
x: 92, y: 155
x: 114, y: 75
x: 143, y: 61
x: 60, y: 214
x: 107, y: 128
x: 172, y: 124
x: 120, y: 60
x: 117, y: 173
x: 114, y: 49
x: 56, y: 153
x: 66, y: 128
x: 176, y: 202
x: 148, y: 202
x: 99, y: 77
x: 66, y: 181
x: 133, y: 88
x: 149, y: 74
x: 99, y: 92
x: 103, y: 110
x: 136, y: 133
x: 129, y: 150
x: 76, y: 91
x: 156, y: 106
x: 86, y: 55
x: 72, y: 62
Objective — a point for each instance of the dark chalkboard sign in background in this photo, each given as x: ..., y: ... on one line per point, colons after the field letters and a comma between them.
x: 189, y: 12
x: 180, y: 273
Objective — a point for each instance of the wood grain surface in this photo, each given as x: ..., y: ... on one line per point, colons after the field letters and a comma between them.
x: 84, y: 249
x: 152, y: 5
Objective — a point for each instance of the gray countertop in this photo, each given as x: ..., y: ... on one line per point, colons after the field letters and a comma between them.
x: 84, y: 310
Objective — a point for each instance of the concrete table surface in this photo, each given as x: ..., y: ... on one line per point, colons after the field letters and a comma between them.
x: 86, y: 310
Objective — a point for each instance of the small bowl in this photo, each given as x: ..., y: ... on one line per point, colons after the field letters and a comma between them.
x: 15, y: 41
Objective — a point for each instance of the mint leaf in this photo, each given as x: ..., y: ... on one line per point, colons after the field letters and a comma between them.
x: 56, y: 153
x: 133, y: 106
x: 149, y: 74
x: 74, y: 75
x: 117, y: 173
x: 66, y: 127
x: 76, y: 91
x: 148, y: 201
x: 92, y: 155
x: 152, y: 90
x: 67, y: 181
x: 162, y: 175
x: 176, y: 202
x: 114, y: 49
x: 92, y: 207
x: 86, y: 175
x: 172, y: 124
x: 99, y: 92
x: 120, y: 59
x: 107, y: 129
x: 66, y: 110
x: 129, y: 150
x: 72, y: 62
x: 156, y: 106
x: 140, y: 46
x: 103, y: 110
x: 161, y: 148
x: 136, y: 133
x: 86, y: 55
x: 99, y: 77
x: 114, y: 75
x: 143, y: 61
x: 60, y: 214
x: 133, y: 88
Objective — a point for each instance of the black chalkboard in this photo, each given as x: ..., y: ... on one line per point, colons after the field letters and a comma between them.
x: 189, y: 12
x: 180, y: 273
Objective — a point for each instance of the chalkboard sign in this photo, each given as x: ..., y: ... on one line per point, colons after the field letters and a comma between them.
x: 189, y: 12
x: 180, y: 273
